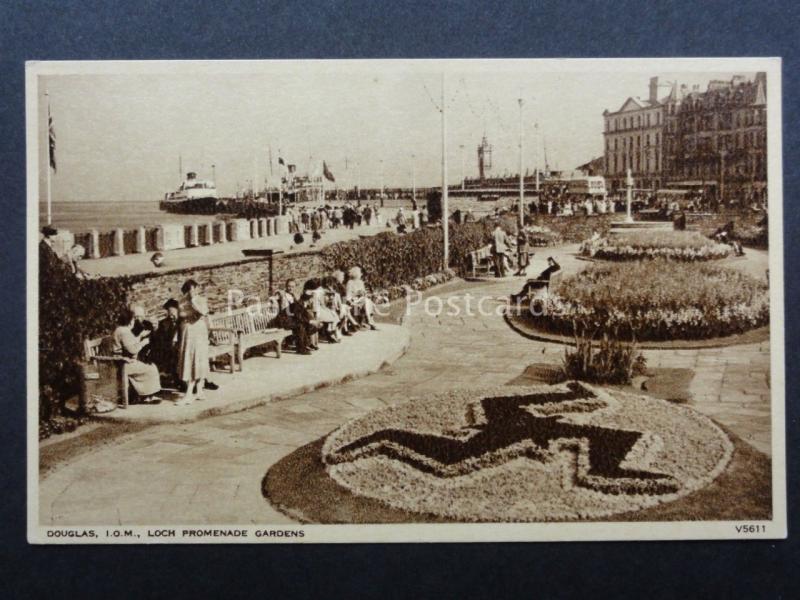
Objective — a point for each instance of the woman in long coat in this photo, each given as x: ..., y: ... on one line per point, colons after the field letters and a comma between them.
x: 143, y: 377
x: 193, y: 351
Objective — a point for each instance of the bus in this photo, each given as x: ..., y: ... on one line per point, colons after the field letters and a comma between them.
x: 593, y: 185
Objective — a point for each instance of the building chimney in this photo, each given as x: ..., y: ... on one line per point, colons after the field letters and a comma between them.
x: 653, y: 89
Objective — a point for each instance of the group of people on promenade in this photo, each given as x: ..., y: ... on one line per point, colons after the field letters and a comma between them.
x: 168, y: 353
x: 313, y: 219
x: 327, y: 308
x: 173, y: 352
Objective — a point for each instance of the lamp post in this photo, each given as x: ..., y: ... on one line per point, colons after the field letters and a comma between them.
x: 413, y: 182
x: 462, y: 167
x: 629, y: 196
x: 445, y: 208
x: 521, y: 174
x: 722, y: 154
x: 381, y: 183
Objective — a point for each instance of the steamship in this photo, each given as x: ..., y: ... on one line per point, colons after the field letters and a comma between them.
x: 194, y: 196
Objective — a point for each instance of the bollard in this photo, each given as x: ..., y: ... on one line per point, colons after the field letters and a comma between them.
x: 240, y: 230
x: 141, y: 240
x: 223, y: 232
x: 194, y: 235
x: 262, y: 227
x: 209, y: 227
x: 271, y: 226
x: 94, y: 249
x: 119, y: 243
x: 253, y: 228
x: 281, y: 225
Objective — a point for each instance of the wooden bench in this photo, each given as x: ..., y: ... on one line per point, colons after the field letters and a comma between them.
x: 481, y: 259
x: 222, y: 342
x: 97, y: 352
x: 252, y: 328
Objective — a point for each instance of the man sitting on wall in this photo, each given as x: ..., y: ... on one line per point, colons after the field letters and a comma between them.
x: 541, y: 282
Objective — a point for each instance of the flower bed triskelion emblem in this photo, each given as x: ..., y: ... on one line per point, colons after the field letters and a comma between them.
x: 563, y: 452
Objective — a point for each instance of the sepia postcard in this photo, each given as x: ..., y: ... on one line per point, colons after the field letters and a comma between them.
x: 306, y: 301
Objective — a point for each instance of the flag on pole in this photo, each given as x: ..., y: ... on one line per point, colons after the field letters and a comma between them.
x: 327, y: 172
x: 280, y: 161
x: 52, y: 135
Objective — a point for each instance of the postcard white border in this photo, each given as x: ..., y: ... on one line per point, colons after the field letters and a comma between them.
x: 690, y: 530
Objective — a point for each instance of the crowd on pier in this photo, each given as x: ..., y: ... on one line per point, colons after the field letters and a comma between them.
x: 316, y: 219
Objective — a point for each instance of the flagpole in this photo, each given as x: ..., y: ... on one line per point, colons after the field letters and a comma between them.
x: 445, y: 209
x: 49, y: 150
x: 521, y: 175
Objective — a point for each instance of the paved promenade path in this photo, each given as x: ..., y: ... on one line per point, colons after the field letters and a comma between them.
x: 210, y: 471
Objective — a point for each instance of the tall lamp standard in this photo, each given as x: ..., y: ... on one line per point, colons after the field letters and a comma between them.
x: 381, y: 183
x: 413, y: 182
x: 445, y: 207
x: 521, y: 174
x: 722, y: 154
x: 462, y: 166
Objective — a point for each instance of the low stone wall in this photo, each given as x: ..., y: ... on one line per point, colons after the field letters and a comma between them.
x: 249, y: 276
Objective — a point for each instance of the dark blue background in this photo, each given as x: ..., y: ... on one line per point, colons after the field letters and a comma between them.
x: 218, y: 29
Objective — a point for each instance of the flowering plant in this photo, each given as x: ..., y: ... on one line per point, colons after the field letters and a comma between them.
x: 656, y: 300
x: 685, y: 246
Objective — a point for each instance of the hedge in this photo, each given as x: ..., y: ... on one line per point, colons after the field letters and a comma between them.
x: 70, y: 310
x: 388, y: 259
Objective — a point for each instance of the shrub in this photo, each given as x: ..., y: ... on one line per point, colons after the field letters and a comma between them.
x: 70, y: 310
x: 611, y: 361
x: 657, y: 300
x: 673, y: 245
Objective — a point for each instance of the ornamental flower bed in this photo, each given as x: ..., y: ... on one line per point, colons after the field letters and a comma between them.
x: 655, y: 300
x: 685, y: 246
x: 543, y: 453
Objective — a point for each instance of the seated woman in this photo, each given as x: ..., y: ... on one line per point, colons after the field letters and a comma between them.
x: 357, y: 298
x: 143, y: 377
x: 334, y: 284
x: 329, y: 320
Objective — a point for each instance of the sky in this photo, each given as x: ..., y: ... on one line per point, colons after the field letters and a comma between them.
x: 120, y: 135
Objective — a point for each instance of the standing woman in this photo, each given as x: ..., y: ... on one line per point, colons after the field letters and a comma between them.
x: 193, y: 352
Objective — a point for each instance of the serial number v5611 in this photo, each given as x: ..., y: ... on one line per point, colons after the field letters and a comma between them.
x: 751, y: 529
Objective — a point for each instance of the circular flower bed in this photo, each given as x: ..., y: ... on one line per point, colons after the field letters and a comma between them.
x: 685, y: 246
x: 541, y: 453
x: 655, y: 300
